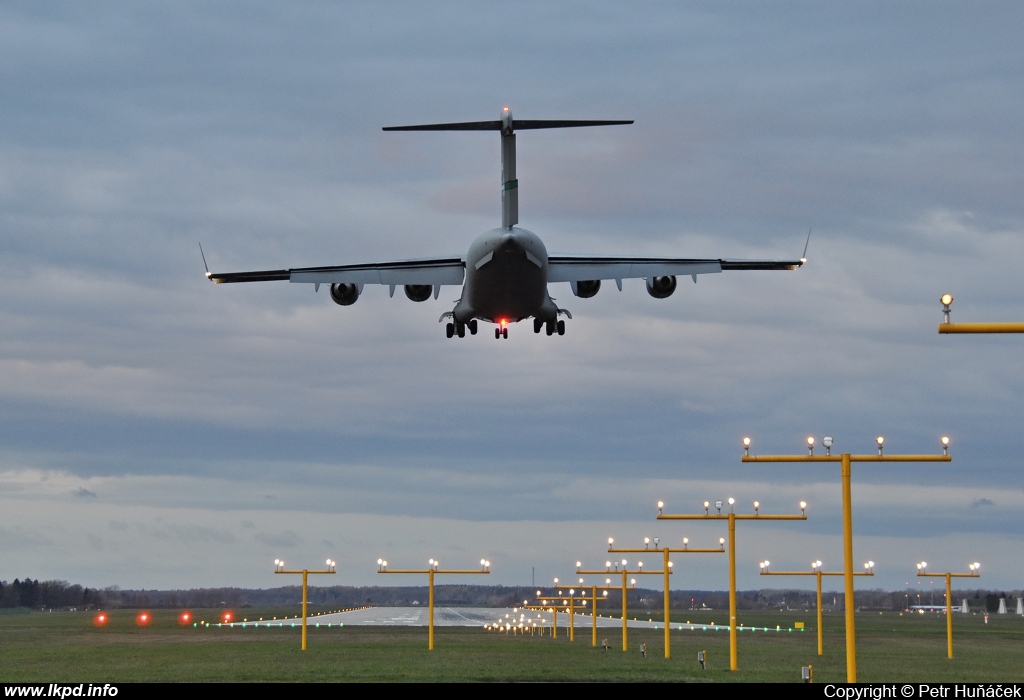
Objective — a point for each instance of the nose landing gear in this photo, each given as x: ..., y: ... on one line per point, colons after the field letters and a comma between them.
x: 501, y: 333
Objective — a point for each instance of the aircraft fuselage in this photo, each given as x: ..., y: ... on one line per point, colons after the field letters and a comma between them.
x: 506, y: 278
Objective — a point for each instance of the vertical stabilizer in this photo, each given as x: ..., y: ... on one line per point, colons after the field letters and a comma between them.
x: 509, y: 183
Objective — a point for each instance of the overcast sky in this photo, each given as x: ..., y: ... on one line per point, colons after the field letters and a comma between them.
x: 158, y: 431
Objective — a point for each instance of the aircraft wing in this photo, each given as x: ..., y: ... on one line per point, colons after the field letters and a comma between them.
x: 433, y: 271
x: 577, y: 268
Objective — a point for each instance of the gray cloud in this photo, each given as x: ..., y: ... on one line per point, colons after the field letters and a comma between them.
x: 128, y: 135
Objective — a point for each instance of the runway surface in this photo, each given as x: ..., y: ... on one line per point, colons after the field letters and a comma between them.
x: 458, y: 617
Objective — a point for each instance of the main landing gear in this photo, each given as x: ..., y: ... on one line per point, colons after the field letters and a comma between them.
x: 456, y: 328
x: 550, y: 327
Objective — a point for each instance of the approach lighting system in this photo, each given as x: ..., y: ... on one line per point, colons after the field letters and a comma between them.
x: 810, y: 446
x: 827, y: 442
x: 880, y: 441
x: 143, y: 619
x: 101, y: 619
x: 185, y: 618
x: 945, y: 445
x: 746, y: 447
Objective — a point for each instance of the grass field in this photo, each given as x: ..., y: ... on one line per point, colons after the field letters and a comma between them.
x: 67, y: 647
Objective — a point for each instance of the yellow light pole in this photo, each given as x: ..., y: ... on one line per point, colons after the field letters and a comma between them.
x: 947, y: 327
x: 666, y: 569
x: 613, y: 568
x: 869, y: 570
x: 845, y: 460
x: 279, y: 569
x: 922, y: 571
x: 593, y: 607
x: 732, y: 517
x: 432, y: 568
x: 568, y: 602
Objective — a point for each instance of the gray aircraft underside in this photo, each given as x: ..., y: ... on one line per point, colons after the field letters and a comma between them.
x: 506, y: 272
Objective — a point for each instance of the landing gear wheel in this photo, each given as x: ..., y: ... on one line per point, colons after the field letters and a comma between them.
x: 549, y: 327
x: 504, y: 333
x: 472, y: 327
x: 561, y: 328
x: 497, y: 333
x: 537, y: 325
x: 449, y: 330
x: 461, y: 330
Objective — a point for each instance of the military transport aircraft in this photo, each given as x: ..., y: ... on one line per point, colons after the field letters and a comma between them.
x: 506, y: 272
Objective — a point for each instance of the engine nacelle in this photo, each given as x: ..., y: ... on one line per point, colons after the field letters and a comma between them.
x: 661, y: 287
x: 419, y: 292
x: 585, y: 289
x: 344, y: 294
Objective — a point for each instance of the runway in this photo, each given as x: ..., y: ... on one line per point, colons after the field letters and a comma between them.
x: 460, y: 617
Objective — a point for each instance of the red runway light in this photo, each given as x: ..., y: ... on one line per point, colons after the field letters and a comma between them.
x: 100, y: 620
x: 226, y: 617
x: 185, y: 618
x: 143, y: 619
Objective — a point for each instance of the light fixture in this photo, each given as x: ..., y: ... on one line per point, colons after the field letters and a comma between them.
x: 718, y: 506
x: 661, y: 506
x: 732, y: 502
x: 945, y: 446
x: 946, y: 300
x: 746, y: 447
x: 810, y: 446
x: 880, y: 440
x: 707, y: 505
x: 827, y: 442
x: 757, y: 504
x: 803, y: 507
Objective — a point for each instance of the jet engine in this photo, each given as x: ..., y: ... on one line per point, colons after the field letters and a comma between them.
x: 419, y: 292
x: 344, y: 294
x: 661, y: 287
x: 585, y: 289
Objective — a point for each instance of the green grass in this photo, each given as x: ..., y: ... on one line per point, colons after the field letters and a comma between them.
x: 67, y: 647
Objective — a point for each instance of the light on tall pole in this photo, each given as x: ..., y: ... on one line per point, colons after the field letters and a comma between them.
x: 975, y: 571
x: 869, y: 570
x: 845, y: 460
x: 947, y: 327
x: 433, y: 567
x: 732, y: 517
x: 666, y: 571
x: 279, y: 569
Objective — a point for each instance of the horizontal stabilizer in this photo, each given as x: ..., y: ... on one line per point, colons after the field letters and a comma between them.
x: 496, y: 125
